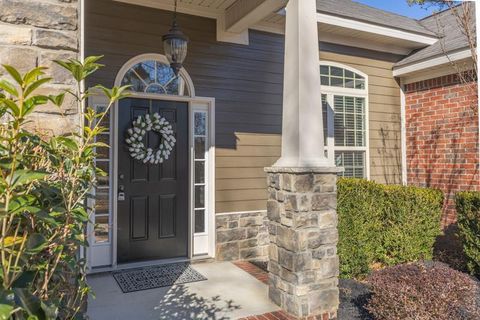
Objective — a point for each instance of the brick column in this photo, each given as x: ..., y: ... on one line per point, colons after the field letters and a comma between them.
x: 303, y: 266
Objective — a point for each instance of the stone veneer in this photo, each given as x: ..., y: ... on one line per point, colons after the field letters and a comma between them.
x: 32, y: 34
x: 303, y: 261
x: 242, y: 236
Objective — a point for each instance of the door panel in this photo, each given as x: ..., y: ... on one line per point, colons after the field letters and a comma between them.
x: 153, y: 218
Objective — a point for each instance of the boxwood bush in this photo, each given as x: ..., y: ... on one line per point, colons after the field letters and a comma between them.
x: 385, y: 225
x: 468, y: 215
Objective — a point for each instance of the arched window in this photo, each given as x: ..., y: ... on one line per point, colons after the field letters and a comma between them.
x: 151, y: 74
x: 336, y: 76
x: 345, y: 111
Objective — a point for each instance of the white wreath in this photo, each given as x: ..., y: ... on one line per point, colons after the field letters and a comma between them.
x: 137, y: 133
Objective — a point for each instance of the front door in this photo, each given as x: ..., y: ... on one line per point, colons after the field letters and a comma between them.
x: 152, y: 208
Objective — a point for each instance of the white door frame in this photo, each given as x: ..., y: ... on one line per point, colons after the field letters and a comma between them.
x: 194, y: 104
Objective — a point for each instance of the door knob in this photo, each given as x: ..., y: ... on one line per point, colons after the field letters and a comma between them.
x: 121, y: 193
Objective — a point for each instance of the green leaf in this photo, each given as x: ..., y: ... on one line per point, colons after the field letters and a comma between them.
x: 67, y: 142
x: 8, y: 87
x: 92, y: 59
x: 14, y: 73
x: 30, y: 104
x: 35, y: 243
x: 51, y: 310
x: 57, y: 100
x: 24, y: 280
x: 21, y: 177
x: 11, y: 105
x: 115, y: 93
x: 30, y: 303
x: 5, y: 311
x: 35, y: 85
x: 33, y: 75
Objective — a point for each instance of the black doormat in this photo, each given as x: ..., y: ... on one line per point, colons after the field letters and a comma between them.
x: 156, y: 276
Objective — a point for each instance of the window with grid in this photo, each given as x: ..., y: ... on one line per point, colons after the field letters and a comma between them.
x: 345, y: 119
x: 340, y: 77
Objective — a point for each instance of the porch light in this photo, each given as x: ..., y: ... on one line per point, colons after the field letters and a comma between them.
x: 175, y: 45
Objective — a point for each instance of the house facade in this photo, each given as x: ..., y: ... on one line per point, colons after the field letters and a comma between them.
x: 394, y: 111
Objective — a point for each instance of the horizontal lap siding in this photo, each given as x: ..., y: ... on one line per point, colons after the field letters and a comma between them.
x: 246, y: 82
x: 384, y: 115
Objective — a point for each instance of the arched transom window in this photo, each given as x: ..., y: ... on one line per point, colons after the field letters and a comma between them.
x: 345, y: 112
x: 153, y: 75
x: 340, y: 77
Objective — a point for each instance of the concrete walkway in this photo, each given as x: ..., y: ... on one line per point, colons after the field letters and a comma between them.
x: 229, y: 293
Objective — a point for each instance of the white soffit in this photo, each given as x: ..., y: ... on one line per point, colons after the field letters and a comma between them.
x: 375, y: 29
x: 372, y: 36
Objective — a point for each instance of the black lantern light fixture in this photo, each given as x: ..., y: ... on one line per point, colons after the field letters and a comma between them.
x: 175, y: 45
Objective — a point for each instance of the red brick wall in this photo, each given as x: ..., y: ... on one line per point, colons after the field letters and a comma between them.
x: 442, y: 137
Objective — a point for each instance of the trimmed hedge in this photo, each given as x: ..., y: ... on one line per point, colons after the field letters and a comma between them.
x: 385, y: 225
x: 468, y: 218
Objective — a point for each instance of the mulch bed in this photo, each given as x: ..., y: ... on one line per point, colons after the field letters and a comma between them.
x: 354, y: 296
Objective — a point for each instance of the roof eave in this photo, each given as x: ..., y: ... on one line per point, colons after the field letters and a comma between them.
x: 438, y: 60
x: 344, y: 22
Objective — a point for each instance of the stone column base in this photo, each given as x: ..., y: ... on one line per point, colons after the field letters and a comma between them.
x: 303, y: 262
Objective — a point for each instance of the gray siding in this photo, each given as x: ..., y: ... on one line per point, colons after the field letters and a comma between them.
x: 246, y: 82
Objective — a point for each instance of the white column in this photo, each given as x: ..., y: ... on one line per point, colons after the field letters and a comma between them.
x: 302, y: 132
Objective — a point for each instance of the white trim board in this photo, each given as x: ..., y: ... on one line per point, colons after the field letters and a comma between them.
x: 376, y: 29
x: 403, y: 138
x: 433, y: 62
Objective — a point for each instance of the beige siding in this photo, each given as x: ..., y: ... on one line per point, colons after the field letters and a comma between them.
x: 246, y: 82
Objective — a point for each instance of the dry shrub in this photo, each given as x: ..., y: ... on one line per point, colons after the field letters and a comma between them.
x: 431, y: 291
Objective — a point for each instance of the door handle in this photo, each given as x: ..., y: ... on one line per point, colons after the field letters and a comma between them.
x: 121, y: 193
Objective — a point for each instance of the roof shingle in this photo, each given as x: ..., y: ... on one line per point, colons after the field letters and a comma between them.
x: 446, y: 27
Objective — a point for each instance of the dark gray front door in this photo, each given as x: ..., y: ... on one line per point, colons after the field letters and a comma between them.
x: 153, y: 216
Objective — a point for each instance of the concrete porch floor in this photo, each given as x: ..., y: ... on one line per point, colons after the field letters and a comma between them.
x: 229, y: 293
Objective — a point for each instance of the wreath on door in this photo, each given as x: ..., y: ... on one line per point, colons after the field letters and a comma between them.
x: 136, y: 136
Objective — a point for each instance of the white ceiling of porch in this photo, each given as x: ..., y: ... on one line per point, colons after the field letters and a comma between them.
x: 266, y: 15
x: 211, y: 4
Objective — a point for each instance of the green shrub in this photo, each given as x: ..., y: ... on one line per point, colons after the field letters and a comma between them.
x: 385, y: 225
x: 468, y: 211
x: 44, y: 183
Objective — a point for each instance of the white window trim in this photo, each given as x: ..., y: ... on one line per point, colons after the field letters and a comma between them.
x: 154, y: 57
x: 203, y: 243
x: 351, y: 92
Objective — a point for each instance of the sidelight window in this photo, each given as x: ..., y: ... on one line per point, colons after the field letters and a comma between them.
x: 102, y: 217
x: 200, y: 166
